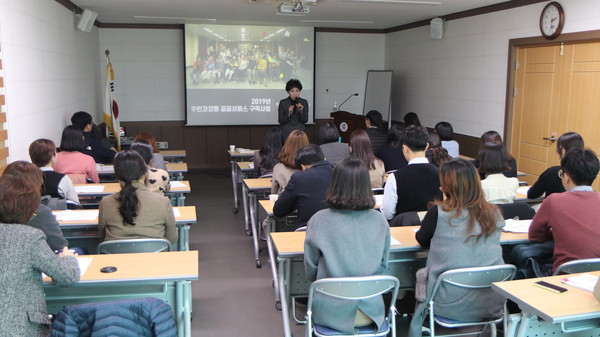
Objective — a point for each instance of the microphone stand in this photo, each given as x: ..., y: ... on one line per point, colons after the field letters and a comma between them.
x: 339, y: 106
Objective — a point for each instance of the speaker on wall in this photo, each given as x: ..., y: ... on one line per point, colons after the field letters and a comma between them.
x: 437, y: 28
x: 86, y: 21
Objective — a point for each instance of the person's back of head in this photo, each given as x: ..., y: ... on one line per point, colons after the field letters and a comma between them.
x: 436, y: 153
x: 360, y: 147
x: 444, y: 129
x: 411, y: 118
x: 394, y: 139
x: 27, y: 171
x: 19, y: 199
x: 295, y: 140
x: 374, y: 117
x: 581, y: 166
x: 490, y: 137
x: 72, y: 139
x: 271, y: 148
x: 350, y: 186
x: 41, y: 151
x: 129, y: 167
x: 149, y: 138
x: 145, y: 150
x: 415, y: 138
x: 308, y: 155
x: 81, y: 119
x: 492, y: 157
x: 569, y: 141
x: 328, y: 133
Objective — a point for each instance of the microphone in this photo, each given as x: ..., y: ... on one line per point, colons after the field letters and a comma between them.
x: 339, y: 106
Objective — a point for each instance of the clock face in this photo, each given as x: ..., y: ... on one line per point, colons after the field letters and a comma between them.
x: 551, y: 20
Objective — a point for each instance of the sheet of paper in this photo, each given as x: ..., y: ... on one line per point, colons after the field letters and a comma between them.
x: 378, y: 199
x: 523, y: 189
x: 78, y: 215
x: 251, y: 165
x: 176, y: 212
x: 84, y: 263
x: 178, y: 184
x: 105, y: 168
x: 394, y: 242
x: 89, y: 188
x: 516, y: 226
x: 585, y: 281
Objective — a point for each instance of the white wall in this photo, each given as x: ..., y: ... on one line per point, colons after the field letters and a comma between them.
x: 462, y: 78
x: 50, y: 71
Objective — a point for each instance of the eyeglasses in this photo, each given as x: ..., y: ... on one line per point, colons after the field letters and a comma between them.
x: 560, y: 174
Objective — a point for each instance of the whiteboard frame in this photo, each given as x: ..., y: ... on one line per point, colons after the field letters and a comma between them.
x: 378, y: 93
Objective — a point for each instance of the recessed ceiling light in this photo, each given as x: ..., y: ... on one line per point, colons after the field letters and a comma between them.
x: 172, y: 18
x: 408, y: 2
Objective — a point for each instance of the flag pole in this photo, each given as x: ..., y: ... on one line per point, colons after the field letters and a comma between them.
x: 107, y: 53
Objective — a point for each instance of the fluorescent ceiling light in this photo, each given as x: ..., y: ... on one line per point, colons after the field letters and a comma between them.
x: 408, y: 2
x: 172, y: 18
x: 336, y: 21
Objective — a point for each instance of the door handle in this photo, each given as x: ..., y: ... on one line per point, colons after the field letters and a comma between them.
x: 552, y: 139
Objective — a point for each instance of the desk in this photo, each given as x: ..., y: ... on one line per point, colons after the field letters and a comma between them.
x: 561, y: 312
x: 235, y: 157
x: 164, y: 275
x: 522, y: 195
x: 176, y: 193
x: 404, y: 261
x: 173, y: 155
x: 250, y: 189
x: 87, y: 230
x: 176, y: 170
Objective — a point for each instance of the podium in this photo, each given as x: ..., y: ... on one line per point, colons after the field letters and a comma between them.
x: 346, y: 122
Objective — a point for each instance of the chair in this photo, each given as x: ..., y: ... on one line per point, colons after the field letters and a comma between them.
x: 519, y: 210
x: 478, y: 278
x: 134, y: 246
x: 405, y: 219
x: 354, y: 288
x: 578, y: 266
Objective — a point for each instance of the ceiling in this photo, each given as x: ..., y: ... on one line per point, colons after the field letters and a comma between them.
x: 325, y: 13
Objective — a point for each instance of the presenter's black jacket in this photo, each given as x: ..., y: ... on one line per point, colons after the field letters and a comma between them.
x: 294, y: 121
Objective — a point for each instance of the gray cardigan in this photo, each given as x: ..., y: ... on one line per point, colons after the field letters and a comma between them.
x: 24, y: 254
x: 342, y: 243
x: 450, y: 249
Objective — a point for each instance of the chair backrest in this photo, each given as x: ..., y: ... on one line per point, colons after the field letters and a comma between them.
x: 134, y: 246
x: 355, y: 288
x: 517, y: 209
x: 578, y: 266
x: 475, y: 278
x: 77, y: 178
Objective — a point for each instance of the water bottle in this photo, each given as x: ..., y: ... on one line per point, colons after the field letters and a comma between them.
x: 334, y: 108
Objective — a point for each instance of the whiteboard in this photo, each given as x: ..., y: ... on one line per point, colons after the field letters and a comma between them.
x: 378, y: 92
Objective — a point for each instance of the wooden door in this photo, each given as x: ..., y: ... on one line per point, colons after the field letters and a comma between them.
x: 557, y: 90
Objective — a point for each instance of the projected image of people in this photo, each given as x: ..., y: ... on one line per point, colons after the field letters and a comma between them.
x: 223, y: 62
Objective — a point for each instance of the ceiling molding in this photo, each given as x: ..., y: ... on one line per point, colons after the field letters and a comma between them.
x: 142, y: 25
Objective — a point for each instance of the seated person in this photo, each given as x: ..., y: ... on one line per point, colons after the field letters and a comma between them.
x: 494, y: 137
x: 360, y: 147
x: 57, y: 185
x: 135, y: 212
x: 333, y: 149
x: 498, y: 189
x: 548, y: 182
x: 266, y: 158
x: 412, y: 188
x: 376, y: 129
x: 158, y: 160
x: 24, y: 255
x: 436, y: 154
x: 571, y: 218
x: 93, y: 142
x: 411, y: 118
x: 158, y: 180
x: 360, y: 249
x: 461, y: 231
x: 42, y: 218
x: 287, y: 160
x: 391, y: 152
x: 444, y: 129
x: 305, y: 192
x: 72, y: 161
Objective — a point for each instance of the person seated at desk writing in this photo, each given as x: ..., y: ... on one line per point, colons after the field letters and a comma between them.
x: 347, y: 239
x: 548, y: 182
x: 360, y: 147
x: 497, y: 188
x: 461, y: 231
x: 376, y: 129
x: 306, y: 189
x: 571, y: 218
x: 331, y: 145
x: 158, y: 180
x: 158, y: 161
x: 24, y: 254
x: 287, y: 160
x: 57, y: 185
x: 412, y: 188
x: 135, y: 212
x: 93, y: 143
x: 72, y: 161
x: 266, y: 158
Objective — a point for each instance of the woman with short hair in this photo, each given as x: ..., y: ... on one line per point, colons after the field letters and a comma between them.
x: 71, y: 161
x: 349, y: 238
x: 331, y: 145
x: 497, y: 188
